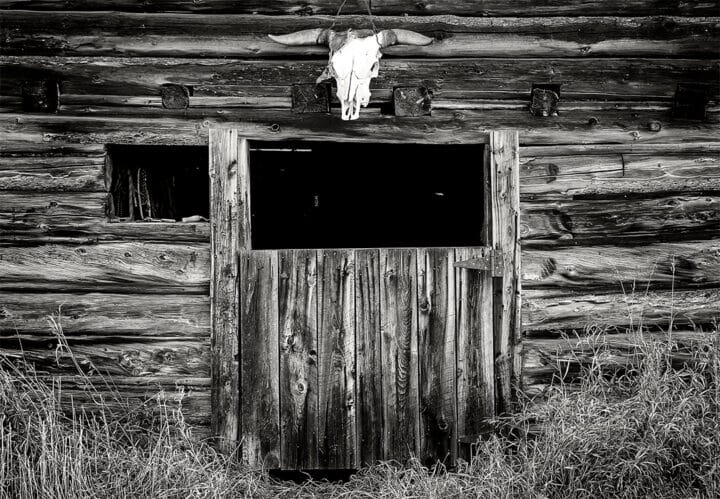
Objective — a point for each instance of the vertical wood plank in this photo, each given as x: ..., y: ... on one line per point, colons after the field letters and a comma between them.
x: 398, y: 305
x: 297, y: 301
x: 369, y: 356
x: 336, y: 356
x: 475, y: 368
x: 505, y: 168
x: 243, y: 196
x: 436, y: 297
x: 259, y: 359
x: 226, y: 239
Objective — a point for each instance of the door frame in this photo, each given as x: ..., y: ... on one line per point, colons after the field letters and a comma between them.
x: 230, y: 235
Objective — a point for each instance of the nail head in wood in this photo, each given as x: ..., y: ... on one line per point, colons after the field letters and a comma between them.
x: 545, y: 99
x: 175, y: 96
x: 40, y: 96
x: 311, y: 98
x: 412, y: 101
x: 691, y: 100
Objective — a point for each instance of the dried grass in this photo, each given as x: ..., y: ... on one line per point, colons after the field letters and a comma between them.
x: 652, y: 431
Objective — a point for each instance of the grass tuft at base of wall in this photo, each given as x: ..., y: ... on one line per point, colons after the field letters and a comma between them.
x: 651, y: 431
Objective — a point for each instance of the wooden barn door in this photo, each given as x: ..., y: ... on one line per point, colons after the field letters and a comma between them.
x: 337, y: 358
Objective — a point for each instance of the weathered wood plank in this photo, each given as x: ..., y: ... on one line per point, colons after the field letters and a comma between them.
x: 582, y: 79
x: 336, y: 357
x: 399, y: 348
x: 297, y: 302
x: 443, y: 127
x: 127, y: 357
x: 610, y: 149
x: 46, y: 207
x: 603, y: 221
x: 475, y: 352
x: 505, y: 182
x: 111, y: 267
x: 388, y: 7
x: 370, y: 360
x: 547, y: 360
x: 436, y: 336
x: 178, y: 35
x: 224, y: 287
x: 564, y: 271
x: 92, y: 232
x: 61, y: 173
x: 617, y: 175
x: 100, y: 314
x: 634, y: 308
x: 259, y: 359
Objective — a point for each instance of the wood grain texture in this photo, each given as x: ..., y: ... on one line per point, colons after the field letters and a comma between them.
x: 475, y: 352
x: 505, y: 175
x: 56, y: 173
x: 224, y: 287
x: 112, y: 267
x: 371, y: 365
x: 443, y: 127
x: 388, y: 7
x: 566, y: 271
x: 617, y: 175
x: 259, y: 359
x: 336, y: 357
x: 436, y: 354
x: 399, y: 347
x: 105, y: 315
x: 51, y: 207
x: 643, y: 79
x: 148, y: 394
x: 297, y: 302
x: 618, y: 310
x: 68, y: 231
x: 607, y: 221
x: 122, y: 357
x: 201, y: 35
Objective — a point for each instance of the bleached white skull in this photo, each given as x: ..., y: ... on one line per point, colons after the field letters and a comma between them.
x: 354, y: 59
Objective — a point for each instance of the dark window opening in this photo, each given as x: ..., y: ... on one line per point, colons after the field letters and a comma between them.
x: 334, y: 195
x: 168, y: 183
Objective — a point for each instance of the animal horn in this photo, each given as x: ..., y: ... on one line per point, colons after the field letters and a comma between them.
x: 315, y: 36
x: 389, y: 37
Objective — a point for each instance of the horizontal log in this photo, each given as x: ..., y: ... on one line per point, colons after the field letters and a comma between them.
x: 618, y: 175
x: 442, y: 127
x: 610, y: 149
x: 109, y: 267
x: 104, y: 315
x: 563, y: 271
x: 189, y: 357
x: 387, y: 7
x: 547, y: 361
x: 543, y: 312
x: 74, y: 233
x: 642, y: 79
x: 608, y: 221
x: 41, y: 208
x: 52, y: 173
x: 179, y: 35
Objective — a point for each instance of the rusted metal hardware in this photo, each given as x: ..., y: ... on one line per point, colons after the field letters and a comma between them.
x: 691, y: 100
x: 311, y: 98
x: 491, y: 260
x: 545, y: 99
x: 175, y: 96
x: 40, y: 96
x: 412, y: 101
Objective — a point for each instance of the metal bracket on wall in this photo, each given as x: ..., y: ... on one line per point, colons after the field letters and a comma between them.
x: 691, y: 100
x: 412, y: 101
x: 310, y: 98
x: 40, y: 95
x: 545, y: 99
x: 491, y: 260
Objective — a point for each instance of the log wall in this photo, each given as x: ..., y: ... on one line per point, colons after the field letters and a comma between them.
x: 620, y: 197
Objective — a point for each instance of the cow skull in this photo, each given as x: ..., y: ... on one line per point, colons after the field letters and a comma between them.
x: 354, y: 59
